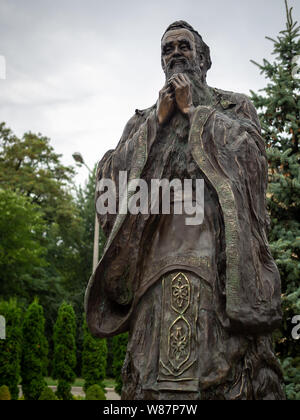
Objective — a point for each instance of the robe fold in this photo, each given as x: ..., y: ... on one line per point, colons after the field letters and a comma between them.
x: 225, y: 143
x: 224, y: 264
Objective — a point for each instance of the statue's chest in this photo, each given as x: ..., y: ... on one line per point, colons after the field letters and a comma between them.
x: 173, y: 145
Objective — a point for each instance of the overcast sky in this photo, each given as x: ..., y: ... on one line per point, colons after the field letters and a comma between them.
x: 78, y: 69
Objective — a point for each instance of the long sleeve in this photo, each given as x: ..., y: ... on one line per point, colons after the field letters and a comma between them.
x: 230, y: 151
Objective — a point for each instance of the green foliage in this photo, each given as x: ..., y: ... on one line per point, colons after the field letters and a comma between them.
x: 64, y: 356
x: 279, y: 112
x: 48, y: 395
x: 35, y: 351
x: 85, y: 201
x: 119, y: 347
x: 30, y: 166
x: 78, y: 398
x: 291, y: 370
x: 94, y: 356
x: 21, y: 252
x: 46, y: 231
x: 109, y: 360
x: 4, y: 393
x: 10, y: 348
x: 95, y: 393
x: 42, y: 228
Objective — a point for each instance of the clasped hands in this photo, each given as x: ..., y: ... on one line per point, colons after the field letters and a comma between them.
x: 176, y: 93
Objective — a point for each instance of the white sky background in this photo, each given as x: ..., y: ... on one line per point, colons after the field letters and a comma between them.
x: 77, y: 70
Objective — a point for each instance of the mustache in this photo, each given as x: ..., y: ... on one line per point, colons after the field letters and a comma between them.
x: 177, y: 60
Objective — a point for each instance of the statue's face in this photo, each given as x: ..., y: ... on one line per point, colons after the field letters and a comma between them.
x: 178, y: 50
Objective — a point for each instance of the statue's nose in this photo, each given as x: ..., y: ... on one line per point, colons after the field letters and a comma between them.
x: 177, y: 52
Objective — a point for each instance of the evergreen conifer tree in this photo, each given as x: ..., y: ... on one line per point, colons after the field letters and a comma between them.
x: 119, y: 347
x: 34, y: 352
x: 279, y: 111
x: 10, y: 348
x: 64, y: 354
x: 94, y: 356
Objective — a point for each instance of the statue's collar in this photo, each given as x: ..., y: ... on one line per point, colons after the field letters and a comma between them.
x: 224, y: 98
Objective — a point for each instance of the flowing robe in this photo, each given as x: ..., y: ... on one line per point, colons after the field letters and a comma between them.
x: 227, y: 260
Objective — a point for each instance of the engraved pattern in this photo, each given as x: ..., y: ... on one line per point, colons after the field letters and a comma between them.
x: 179, y: 342
x: 177, y: 347
x: 227, y: 201
x: 181, y: 293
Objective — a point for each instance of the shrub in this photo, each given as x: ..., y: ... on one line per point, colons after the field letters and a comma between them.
x: 95, y: 393
x: 4, y: 393
x: 48, y: 395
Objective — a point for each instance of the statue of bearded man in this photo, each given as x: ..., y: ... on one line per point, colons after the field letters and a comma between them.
x: 200, y: 301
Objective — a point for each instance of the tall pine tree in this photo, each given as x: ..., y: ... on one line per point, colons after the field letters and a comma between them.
x: 34, y: 352
x: 11, y: 347
x: 94, y: 357
x: 119, y: 347
x: 64, y: 357
x: 279, y: 111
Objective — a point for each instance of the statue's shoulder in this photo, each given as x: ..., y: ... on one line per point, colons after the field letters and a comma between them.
x: 238, y: 105
x: 135, y: 122
x: 144, y: 113
x: 228, y: 98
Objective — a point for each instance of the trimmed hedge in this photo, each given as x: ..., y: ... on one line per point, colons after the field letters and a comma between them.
x: 95, y: 393
x: 4, y: 393
x: 48, y: 395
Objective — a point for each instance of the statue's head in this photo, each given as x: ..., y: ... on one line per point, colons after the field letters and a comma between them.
x: 183, y: 50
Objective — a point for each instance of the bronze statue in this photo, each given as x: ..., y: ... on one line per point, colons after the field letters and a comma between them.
x: 199, y: 301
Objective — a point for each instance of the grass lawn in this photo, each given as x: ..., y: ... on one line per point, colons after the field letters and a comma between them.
x: 109, y: 383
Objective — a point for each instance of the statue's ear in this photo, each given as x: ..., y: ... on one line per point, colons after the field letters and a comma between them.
x: 163, y: 64
x: 202, y: 62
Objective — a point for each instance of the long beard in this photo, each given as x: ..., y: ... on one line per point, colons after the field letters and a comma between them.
x: 182, y: 65
x: 201, y: 92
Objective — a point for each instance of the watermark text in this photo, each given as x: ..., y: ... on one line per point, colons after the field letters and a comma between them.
x: 296, y: 329
x: 161, y: 196
x: 2, y: 328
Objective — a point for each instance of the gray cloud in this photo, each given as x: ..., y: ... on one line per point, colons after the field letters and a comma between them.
x: 77, y: 70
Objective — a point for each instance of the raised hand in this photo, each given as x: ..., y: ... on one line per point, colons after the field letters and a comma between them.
x: 183, y: 92
x: 166, y: 104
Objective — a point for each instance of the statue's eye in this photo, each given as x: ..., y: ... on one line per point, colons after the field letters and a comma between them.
x: 168, y: 50
x: 185, y: 47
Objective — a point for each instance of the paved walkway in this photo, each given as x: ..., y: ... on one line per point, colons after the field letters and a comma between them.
x: 78, y: 391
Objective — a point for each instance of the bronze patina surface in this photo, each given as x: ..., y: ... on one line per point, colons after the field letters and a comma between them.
x: 200, y: 302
